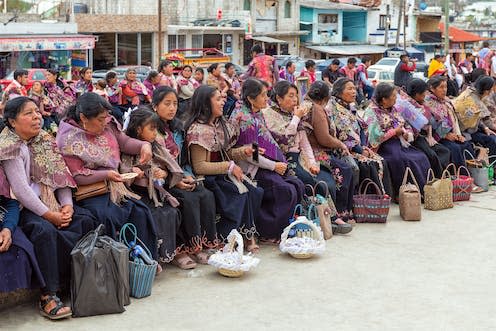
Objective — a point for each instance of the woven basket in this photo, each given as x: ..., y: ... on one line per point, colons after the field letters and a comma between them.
x: 315, y: 239
x: 462, y: 185
x: 141, y: 278
x: 438, y: 193
x: 371, y: 208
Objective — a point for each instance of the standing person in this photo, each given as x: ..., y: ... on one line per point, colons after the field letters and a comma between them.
x: 234, y: 91
x: 152, y: 81
x: 186, y: 86
x: 17, y: 87
x: 114, y: 92
x: 281, y: 191
x: 92, y: 142
x: 210, y: 140
x: 391, y: 135
x: 215, y: 79
x: 84, y: 84
x: 482, y: 54
x: 199, y: 76
x: 198, y: 230
x: 60, y: 100
x: 42, y: 183
x: 287, y: 73
x: 309, y: 71
x: 364, y: 83
x: 263, y: 67
x: 437, y: 67
x: 349, y: 70
x: 134, y: 92
x: 467, y: 65
x: 332, y: 73
x: 404, y: 70
x: 166, y: 72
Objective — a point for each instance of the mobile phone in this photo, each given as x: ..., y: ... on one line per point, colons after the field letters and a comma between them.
x: 199, y: 180
x: 255, y: 151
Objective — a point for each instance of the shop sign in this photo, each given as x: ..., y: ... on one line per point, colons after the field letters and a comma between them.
x: 45, y: 44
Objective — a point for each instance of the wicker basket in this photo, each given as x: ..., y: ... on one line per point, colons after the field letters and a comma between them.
x: 370, y: 208
x: 230, y: 262
x: 312, y: 242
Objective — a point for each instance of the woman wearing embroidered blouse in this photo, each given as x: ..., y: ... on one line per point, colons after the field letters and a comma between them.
x: 281, y: 191
x: 391, y: 136
x: 446, y: 128
x: 91, y: 142
x: 210, y: 141
x: 198, y: 231
x: 41, y: 182
x: 84, y: 84
x: 134, y: 92
x: 283, y: 122
x: 60, y: 98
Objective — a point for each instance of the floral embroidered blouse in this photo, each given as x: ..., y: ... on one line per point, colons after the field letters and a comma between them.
x: 346, y: 123
x: 445, y: 120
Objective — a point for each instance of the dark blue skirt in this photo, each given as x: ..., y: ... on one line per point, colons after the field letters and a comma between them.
x: 236, y: 211
x: 114, y: 217
x: 18, y: 266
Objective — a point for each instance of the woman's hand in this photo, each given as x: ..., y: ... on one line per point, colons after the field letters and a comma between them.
x: 5, y: 240
x: 300, y: 111
x: 460, y: 138
x: 344, y: 149
x: 281, y: 168
x: 249, y: 150
x: 114, y: 176
x: 314, y: 170
x: 186, y: 184
x: 238, y: 173
x: 431, y: 141
x: 451, y: 137
x: 138, y: 171
x: 489, y: 132
x: 67, y: 212
x: 145, y: 153
x: 57, y: 219
x: 159, y: 173
x: 399, y: 131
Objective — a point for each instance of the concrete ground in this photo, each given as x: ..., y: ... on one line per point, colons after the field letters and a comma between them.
x: 437, y: 274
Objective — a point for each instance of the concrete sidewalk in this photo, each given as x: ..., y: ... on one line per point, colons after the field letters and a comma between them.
x: 437, y: 274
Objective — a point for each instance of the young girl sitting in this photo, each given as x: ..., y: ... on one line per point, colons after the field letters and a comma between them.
x: 37, y: 94
x: 151, y: 178
x: 100, y: 89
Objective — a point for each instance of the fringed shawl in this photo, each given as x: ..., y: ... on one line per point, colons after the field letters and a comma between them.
x: 212, y: 137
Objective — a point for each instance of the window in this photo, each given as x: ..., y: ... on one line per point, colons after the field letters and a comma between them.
x: 176, y: 41
x: 287, y: 9
x: 146, y: 49
x: 196, y: 42
x: 382, y: 21
x: 247, y: 5
x: 406, y: 20
x: 328, y: 19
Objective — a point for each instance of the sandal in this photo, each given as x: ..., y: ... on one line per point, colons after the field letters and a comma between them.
x: 53, y: 313
x: 200, y: 257
x: 184, y: 262
x: 477, y: 189
x: 252, y: 247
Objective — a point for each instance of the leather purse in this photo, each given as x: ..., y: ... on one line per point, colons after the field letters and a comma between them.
x: 91, y: 190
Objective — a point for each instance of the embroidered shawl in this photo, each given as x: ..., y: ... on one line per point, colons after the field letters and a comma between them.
x: 14, y: 90
x: 253, y: 129
x: 411, y: 111
x: 211, y: 137
x: 150, y: 87
x: 346, y: 124
x: 136, y: 86
x: 277, y: 121
x: 166, y: 139
x: 217, y: 82
x: 168, y: 81
x: 469, y: 109
x: 444, y: 116
x: 83, y: 86
x: 380, y: 121
x: 47, y: 167
x: 4, y: 185
x: 60, y: 100
x: 114, y: 94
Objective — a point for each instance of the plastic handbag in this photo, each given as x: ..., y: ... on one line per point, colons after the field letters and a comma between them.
x: 100, y: 275
x: 438, y: 193
x: 409, y: 198
x: 479, y: 170
x: 371, y: 208
x: 462, y: 184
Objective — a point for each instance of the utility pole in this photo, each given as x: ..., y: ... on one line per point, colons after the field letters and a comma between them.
x: 386, y: 28
x: 446, y: 27
x: 159, y: 30
x: 404, y: 25
x: 398, y: 27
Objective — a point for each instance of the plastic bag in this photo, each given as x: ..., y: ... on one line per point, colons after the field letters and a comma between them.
x: 100, y: 275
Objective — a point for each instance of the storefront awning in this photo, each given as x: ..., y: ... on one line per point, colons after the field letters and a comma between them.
x: 349, y: 49
x: 270, y: 40
x: 27, y: 43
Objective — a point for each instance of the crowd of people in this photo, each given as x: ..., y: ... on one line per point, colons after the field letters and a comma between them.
x: 211, y: 154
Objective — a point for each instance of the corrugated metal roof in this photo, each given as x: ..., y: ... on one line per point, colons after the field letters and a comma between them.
x: 349, y: 49
x: 271, y: 40
x: 321, y: 4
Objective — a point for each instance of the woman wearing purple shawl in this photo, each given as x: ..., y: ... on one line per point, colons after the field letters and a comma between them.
x: 60, y: 98
x: 281, y: 192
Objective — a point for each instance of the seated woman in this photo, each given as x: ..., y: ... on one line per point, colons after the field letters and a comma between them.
x: 61, y: 97
x: 84, y: 84
x: 282, y: 192
x: 472, y: 113
x: 198, y: 231
x: 391, y: 135
x: 283, y: 121
x: 91, y: 142
x: 41, y: 182
x: 490, y: 103
x: 44, y: 104
x: 412, y: 107
x: 350, y: 131
x: 446, y: 128
x: 18, y: 262
x: 143, y: 125
x: 134, y: 93
x: 152, y: 82
x: 326, y: 147
x: 186, y: 86
x: 210, y: 140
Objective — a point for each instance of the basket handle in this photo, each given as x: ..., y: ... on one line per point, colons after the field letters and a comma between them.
x: 363, y: 190
x: 311, y: 188
x: 492, y: 163
x: 297, y: 208
x: 312, y: 225
x: 312, y: 210
x: 451, y: 165
x: 235, y: 238
x: 444, y: 176
x: 430, y: 175
x: 325, y: 185
x: 409, y: 173
x: 466, y: 151
x: 463, y: 167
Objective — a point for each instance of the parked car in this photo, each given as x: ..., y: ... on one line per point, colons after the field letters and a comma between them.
x: 380, y: 76
x: 420, y: 70
x: 141, y: 72
x: 282, y: 60
x: 386, y: 63
x: 35, y: 74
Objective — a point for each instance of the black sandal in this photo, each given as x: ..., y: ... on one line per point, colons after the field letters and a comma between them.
x: 52, y: 314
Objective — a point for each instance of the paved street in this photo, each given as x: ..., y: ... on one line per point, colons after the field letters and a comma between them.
x: 437, y: 274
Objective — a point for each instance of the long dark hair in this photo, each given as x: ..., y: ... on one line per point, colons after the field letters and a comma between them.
x: 90, y: 105
x: 281, y: 89
x: 158, y: 95
x: 12, y: 109
x: 139, y: 118
x: 201, y: 109
x: 252, y: 87
x: 383, y: 91
x: 339, y: 85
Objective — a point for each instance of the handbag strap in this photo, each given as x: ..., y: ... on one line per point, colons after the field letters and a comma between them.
x: 430, y: 175
x: 463, y: 167
x: 451, y: 165
x: 297, y: 208
x: 466, y: 151
x: 446, y: 174
x: 363, y: 190
x: 311, y: 188
x: 321, y: 182
x: 409, y: 173
x: 312, y: 210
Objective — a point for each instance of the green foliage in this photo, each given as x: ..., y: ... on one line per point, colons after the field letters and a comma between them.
x: 18, y: 5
